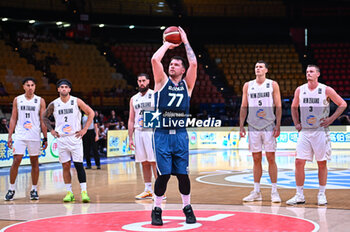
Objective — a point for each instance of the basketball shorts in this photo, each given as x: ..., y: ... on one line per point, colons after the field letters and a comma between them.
x: 70, y: 148
x: 314, y: 143
x: 20, y: 146
x: 143, y: 146
x: 261, y: 139
x: 171, y: 149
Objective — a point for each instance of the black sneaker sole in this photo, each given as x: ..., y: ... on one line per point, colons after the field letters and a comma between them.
x: 298, y: 203
x: 157, y: 224
x: 191, y: 222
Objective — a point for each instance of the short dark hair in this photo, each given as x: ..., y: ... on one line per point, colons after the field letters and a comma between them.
x: 64, y: 82
x: 28, y: 79
x: 184, y: 63
x: 314, y: 66
x: 263, y: 62
x: 144, y: 75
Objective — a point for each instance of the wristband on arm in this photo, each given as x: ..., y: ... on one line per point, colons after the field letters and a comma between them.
x: 44, y: 141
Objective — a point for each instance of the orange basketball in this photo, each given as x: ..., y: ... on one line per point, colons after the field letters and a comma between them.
x: 172, y: 35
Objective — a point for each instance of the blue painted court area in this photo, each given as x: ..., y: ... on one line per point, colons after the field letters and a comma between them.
x: 337, y: 179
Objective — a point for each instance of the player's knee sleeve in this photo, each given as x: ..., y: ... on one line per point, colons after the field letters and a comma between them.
x: 184, y: 184
x: 81, y: 172
x: 160, y: 184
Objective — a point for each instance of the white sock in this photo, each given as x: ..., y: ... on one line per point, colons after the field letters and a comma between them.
x: 186, y: 200
x: 148, y: 186
x: 158, y: 201
x: 83, y: 186
x: 257, y: 187
x: 273, y: 187
x: 35, y: 187
x: 322, y: 189
x: 69, y: 187
x: 300, y: 190
x: 12, y: 187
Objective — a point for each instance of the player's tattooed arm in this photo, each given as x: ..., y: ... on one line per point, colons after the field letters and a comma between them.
x: 48, y: 112
x: 191, y: 74
x: 190, y: 53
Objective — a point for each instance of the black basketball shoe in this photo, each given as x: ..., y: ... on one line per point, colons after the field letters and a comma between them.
x: 34, y: 195
x: 157, y: 216
x: 9, y: 196
x: 188, y: 211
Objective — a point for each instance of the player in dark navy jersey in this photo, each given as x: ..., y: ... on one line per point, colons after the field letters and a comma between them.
x: 172, y: 100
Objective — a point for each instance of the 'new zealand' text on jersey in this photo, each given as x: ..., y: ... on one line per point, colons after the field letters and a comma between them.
x: 260, y: 104
x: 141, y: 103
x: 173, y: 102
x: 314, y: 105
x: 67, y: 116
x: 28, y: 122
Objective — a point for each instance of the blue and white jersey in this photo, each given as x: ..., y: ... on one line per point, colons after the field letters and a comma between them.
x: 28, y: 121
x: 141, y: 103
x: 67, y: 116
x: 173, y: 102
x: 314, y: 106
x: 261, y: 104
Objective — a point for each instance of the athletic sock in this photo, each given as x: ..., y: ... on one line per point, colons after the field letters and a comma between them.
x: 300, y: 190
x: 69, y: 187
x: 186, y: 200
x: 158, y: 201
x: 322, y: 189
x: 12, y: 187
x: 83, y: 186
x: 274, y: 187
x: 148, y: 186
x: 257, y: 187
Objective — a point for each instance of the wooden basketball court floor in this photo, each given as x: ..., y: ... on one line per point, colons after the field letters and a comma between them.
x: 219, y: 179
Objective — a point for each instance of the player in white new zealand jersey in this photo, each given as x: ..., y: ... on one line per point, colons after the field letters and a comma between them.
x: 68, y: 132
x: 260, y: 97
x: 140, y: 102
x: 172, y: 94
x: 26, y: 117
x: 313, y: 100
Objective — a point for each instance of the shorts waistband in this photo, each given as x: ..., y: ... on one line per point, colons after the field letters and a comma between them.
x: 315, y: 129
x: 170, y: 131
x: 143, y: 129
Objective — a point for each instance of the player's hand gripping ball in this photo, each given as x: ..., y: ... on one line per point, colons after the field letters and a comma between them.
x: 172, y: 35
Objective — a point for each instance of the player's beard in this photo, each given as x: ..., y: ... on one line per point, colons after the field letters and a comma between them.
x: 64, y: 94
x: 144, y: 90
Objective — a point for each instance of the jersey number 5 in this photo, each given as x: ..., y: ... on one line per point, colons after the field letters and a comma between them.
x: 173, y: 97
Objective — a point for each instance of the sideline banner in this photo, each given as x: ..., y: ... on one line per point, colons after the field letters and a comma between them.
x: 118, y: 143
x: 226, y: 138
x: 199, y: 138
x: 213, y: 138
x: 47, y: 156
x: 340, y: 138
